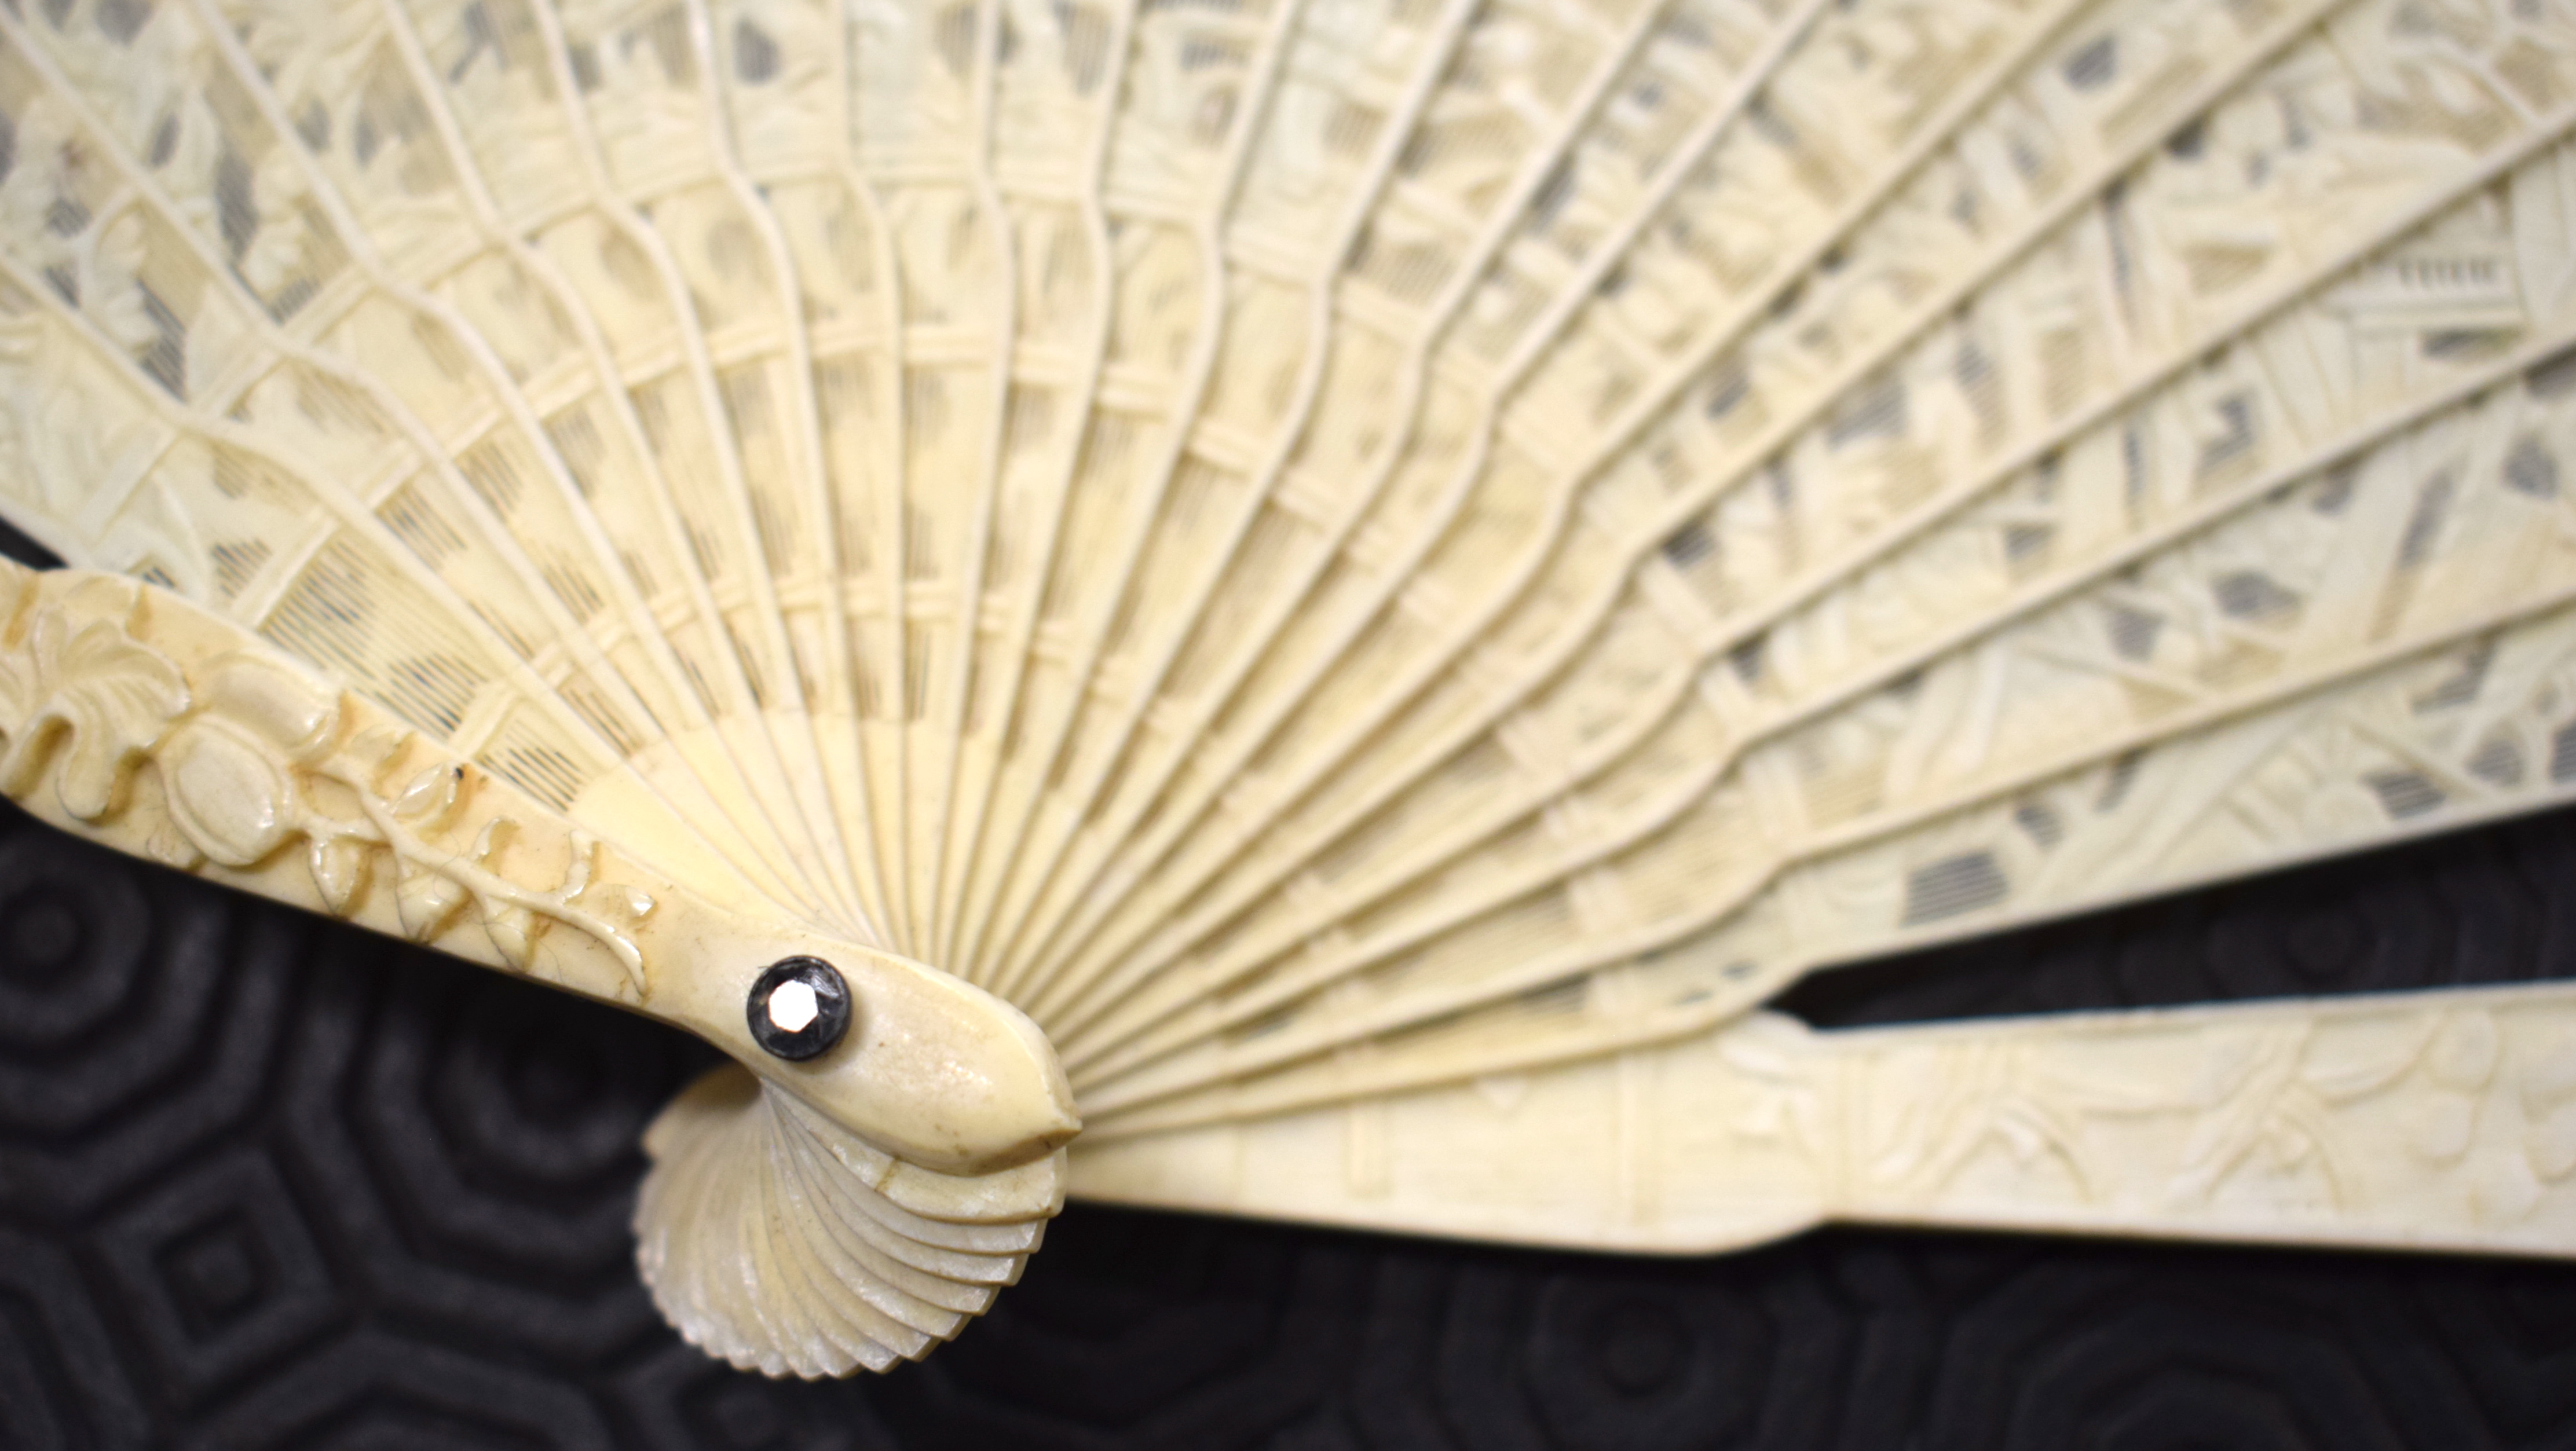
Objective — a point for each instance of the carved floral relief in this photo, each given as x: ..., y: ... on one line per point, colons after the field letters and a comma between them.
x: 250, y: 759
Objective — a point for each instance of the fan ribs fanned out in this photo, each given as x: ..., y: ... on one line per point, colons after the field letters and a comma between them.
x: 1388, y: 571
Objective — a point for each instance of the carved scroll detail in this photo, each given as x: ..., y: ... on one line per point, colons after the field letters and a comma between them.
x: 135, y: 718
x: 239, y: 758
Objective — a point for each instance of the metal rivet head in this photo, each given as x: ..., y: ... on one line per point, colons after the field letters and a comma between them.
x: 799, y: 1008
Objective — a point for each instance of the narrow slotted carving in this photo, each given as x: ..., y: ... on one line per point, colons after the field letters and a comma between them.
x: 1387, y: 573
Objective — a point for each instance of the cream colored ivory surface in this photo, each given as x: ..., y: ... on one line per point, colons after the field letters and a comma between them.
x: 2430, y: 1121
x: 895, y: 1180
x: 1386, y: 572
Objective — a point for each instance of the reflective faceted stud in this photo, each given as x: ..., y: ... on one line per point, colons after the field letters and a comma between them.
x: 799, y: 1008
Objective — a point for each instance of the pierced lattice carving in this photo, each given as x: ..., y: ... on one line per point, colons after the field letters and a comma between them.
x: 1387, y: 573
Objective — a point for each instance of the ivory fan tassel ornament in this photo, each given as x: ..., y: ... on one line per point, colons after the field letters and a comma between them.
x: 1328, y: 596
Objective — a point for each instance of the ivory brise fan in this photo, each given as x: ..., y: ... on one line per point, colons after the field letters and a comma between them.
x: 1302, y: 609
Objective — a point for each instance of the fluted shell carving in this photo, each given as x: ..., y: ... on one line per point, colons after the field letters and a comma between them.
x: 131, y: 716
x: 1333, y: 595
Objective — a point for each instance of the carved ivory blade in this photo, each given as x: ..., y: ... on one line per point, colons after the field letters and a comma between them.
x: 836, y: 1210
x: 2417, y: 1120
x: 1321, y: 550
x: 2379, y: 524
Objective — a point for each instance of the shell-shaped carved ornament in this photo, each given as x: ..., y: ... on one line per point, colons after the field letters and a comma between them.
x: 1304, y: 609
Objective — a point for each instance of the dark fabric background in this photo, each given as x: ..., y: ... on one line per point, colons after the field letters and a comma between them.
x: 266, y: 1181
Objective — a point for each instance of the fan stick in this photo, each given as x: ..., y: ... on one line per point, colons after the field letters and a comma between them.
x: 1237, y: 754
x: 496, y: 85
x: 1178, y: 611
x: 2403, y: 1121
x: 2186, y: 350
x: 1058, y: 95
x: 2218, y: 798
x: 932, y: 749
x: 828, y: 1219
x: 786, y: 87
x: 1601, y: 537
x: 1434, y: 375
x: 918, y: 118
x: 1034, y: 109
x: 656, y: 164
x: 425, y: 211
x: 139, y: 720
x: 1393, y: 571
x: 327, y: 563
x: 1739, y: 736
x: 1344, y: 454
x: 453, y: 414
x: 461, y: 250
x: 2395, y: 513
x: 1170, y: 181
x: 1573, y: 530
x: 1167, y: 167
x: 466, y: 687
x: 2497, y: 561
x: 2041, y: 592
x: 1296, y: 195
x: 1437, y: 373
x: 2041, y: 635
x: 1289, y: 202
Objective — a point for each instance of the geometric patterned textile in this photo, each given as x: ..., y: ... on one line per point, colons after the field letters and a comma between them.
x: 266, y: 1181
